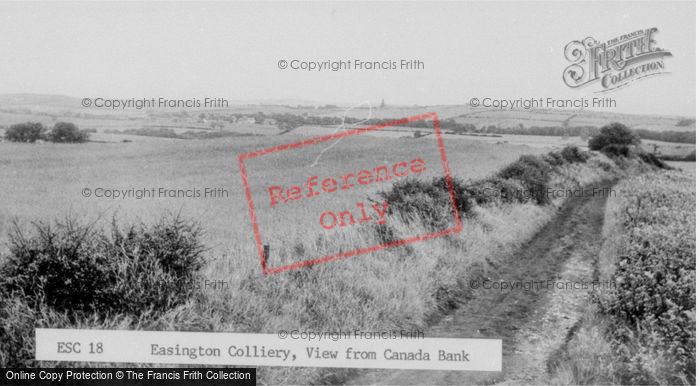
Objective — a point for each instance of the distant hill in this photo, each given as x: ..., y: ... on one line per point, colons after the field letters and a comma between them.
x: 25, y: 106
x: 39, y: 100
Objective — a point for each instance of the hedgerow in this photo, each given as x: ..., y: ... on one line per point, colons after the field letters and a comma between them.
x: 654, y: 299
x: 495, y: 190
x: 522, y: 181
x: 573, y: 154
x: 533, y: 173
x: 651, y: 159
x: 615, y: 150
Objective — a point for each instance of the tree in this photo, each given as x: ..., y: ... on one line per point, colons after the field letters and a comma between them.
x: 25, y: 132
x: 67, y: 132
x: 613, y: 134
x: 259, y: 118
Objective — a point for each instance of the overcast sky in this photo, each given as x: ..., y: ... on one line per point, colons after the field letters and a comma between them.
x: 231, y: 50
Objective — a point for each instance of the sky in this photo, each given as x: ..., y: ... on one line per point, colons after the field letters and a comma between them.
x: 232, y: 50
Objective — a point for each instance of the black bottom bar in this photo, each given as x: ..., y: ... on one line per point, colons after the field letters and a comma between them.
x: 128, y: 376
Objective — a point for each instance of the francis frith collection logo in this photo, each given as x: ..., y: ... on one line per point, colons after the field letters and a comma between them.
x: 616, y: 62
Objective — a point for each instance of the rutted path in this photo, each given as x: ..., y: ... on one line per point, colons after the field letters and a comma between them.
x: 532, y: 324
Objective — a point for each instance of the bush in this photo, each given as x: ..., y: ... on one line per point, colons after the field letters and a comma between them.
x: 461, y: 189
x: 533, y: 172
x: 570, y: 154
x: 25, y: 132
x: 58, y: 265
x: 613, y: 134
x: 67, y: 132
x: 428, y: 200
x: 554, y: 158
x: 73, y: 267
x: 573, y: 154
x: 616, y: 151
x: 606, y: 167
x: 498, y: 190
x: 652, y: 160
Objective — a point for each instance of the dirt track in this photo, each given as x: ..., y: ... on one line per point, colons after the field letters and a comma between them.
x: 532, y: 324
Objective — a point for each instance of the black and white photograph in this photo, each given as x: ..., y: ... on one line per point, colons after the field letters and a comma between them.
x: 348, y: 192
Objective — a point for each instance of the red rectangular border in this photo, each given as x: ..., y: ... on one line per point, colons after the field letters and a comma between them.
x: 295, y: 145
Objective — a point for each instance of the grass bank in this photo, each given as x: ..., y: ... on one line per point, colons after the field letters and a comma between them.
x: 642, y: 331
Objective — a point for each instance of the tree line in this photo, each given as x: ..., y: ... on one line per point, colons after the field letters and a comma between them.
x: 287, y: 121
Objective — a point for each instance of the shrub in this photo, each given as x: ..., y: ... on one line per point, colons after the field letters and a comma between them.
x: 498, y: 190
x: 616, y: 151
x: 428, y: 200
x: 573, y: 154
x: 72, y: 267
x: 606, y: 167
x: 533, y: 172
x: 570, y: 154
x: 461, y: 189
x: 613, y: 134
x: 554, y: 158
x: 67, y: 132
x: 651, y: 159
x: 25, y: 132
x: 58, y: 265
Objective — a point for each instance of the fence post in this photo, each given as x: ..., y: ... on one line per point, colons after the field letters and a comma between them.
x: 266, y: 252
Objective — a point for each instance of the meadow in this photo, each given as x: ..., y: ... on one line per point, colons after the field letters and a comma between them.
x: 43, y: 181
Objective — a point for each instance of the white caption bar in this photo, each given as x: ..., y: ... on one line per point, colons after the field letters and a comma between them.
x: 205, y: 348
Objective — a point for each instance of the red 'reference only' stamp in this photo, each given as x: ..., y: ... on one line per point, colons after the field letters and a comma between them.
x: 281, y: 195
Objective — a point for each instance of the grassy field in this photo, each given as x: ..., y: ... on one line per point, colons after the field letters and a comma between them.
x: 44, y: 181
